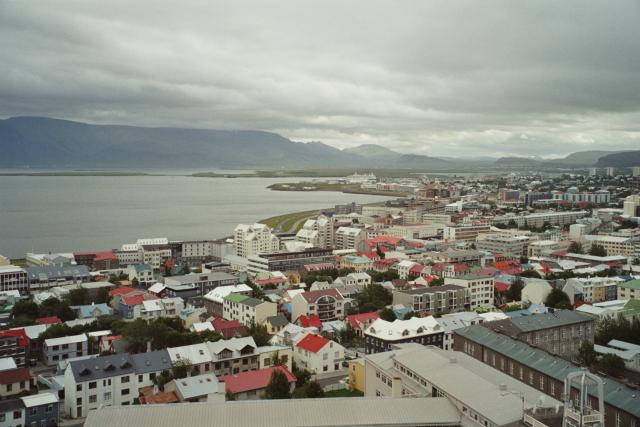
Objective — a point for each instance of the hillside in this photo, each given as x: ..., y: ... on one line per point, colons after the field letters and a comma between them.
x: 624, y: 159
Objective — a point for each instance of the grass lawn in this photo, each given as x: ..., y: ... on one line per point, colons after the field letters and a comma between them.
x: 343, y: 393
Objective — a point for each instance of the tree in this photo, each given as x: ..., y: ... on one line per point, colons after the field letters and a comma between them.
x: 180, y: 369
x: 514, y: 293
x: 102, y: 296
x: 558, y: 299
x: 597, y: 250
x: 575, y: 248
x: 25, y: 309
x: 79, y: 296
x: 380, y: 252
x: 302, y: 375
x: 512, y: 224
x: 531, y: 274
x: 347, y: 335
x: 373, y: 297
x: 586, y: 354
x: 278, y: 387
x: 409, y: 315
x: 310, y: 390
x: 388, y: 315
x: 260, y: 334
x: 611, y: 364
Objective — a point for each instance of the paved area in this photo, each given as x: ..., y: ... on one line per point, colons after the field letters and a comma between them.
x: 330, y: 378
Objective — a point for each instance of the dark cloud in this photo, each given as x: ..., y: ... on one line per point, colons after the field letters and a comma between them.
x: 438, y: 77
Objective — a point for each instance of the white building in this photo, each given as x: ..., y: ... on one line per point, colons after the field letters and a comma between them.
x: 317, y: 232
x: 349, y: 237
x: 254, y: 239
x: 247, y: 310
x: 57, y: 349
x: 481, y: 288
x: 318, y: 354
x: 629, y: 352
x: 156, y: 308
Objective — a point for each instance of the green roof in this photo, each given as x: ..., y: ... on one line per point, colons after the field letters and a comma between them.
x: 252, y: 302
x: 235, y: 297
x: 631, y: 284
x: 278, y: 320
x: 615, y: 393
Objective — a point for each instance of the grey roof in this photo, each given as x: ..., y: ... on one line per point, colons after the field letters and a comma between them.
x: 11, y: 405
x: 615, y: 393
x: 353, y: 411
x: 154, y: 361
x: 195, y: 278
x: 252, y: 302
x: 48, y: 272
x: 277, y: 320
x: 197, y: 386
x: 550, y: 320
x: 101, y: 367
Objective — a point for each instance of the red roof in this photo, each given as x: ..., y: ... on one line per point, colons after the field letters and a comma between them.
x: 501, y: 287
x: 253, y: 380
x: 274, y: 281
x: 370, y: 254
x: 313, y: 296
x: 20, y: 333
x: 382, y: 239
x: 312, y: 320
x: 51, y: 320
x: 102, y: 256
x: 134, y: 300
x: 312, y: 343
x: 121, y: 291
x: 416, y: 269
x: 229, y: 328
x: 356, y: 320
x: 13, y: 376
x: 319, y: 266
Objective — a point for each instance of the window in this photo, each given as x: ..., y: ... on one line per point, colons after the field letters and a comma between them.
x: 93, y: 385
x: 325, y: 368
x: 267, y: 361
x: 17, y: 415
x: 325, y: 356
x: 3, y: 418
x: 79, y: 401
x: 124, y: 379
x: 33, y: 411
x: 93, y: 398
x: 125, y: 392
x: 79, y: 387
x: 49, y: 409
x: 140, y: 378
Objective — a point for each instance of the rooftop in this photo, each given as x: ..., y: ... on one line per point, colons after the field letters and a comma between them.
x: 253, y: 380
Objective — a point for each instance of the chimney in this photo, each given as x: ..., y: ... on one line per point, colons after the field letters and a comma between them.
x: 148, y: 346
x: 396, y: 387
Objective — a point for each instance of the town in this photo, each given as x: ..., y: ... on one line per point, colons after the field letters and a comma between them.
x: 485, y: 300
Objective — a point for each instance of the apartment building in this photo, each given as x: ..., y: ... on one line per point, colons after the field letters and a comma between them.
x: 434, y: 300
x: 318, y: 354
x: 483, y: 396
x: 349, y: 237
x: 48, y: 276
x: 317, y: 232
x: 143, y: 273
x: 544, y: 372
x: 214, y: 299
x: 112, y: 380
x: 629, y: 290
x: 538, y: 219
x: 481, y: 289
x: 614, y: 245
x: 504, y: 244
x: 592, y: 289
x: 464, y: 232
x: 327, y: 304
x: 247, y: 310
x: 14, y: 278
x: 57, y: 349
x: 14, y: 343
x: 290, y: 261
x: 254, y: 239
x: 560, y: 333
x: 381, y: 335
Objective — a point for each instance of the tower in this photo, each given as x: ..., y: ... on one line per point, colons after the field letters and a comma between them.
x: 579, y: 408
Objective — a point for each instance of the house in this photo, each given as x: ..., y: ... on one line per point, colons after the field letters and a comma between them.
x: 41, y: 409
x: 404, y: 267
x: 381, y: 335
x: 592, y: 289
x: 629, y: 352
x: 51, y: 320
x: 191, y: 315
x: 15, y: 343
x: 157, y: 289
x: 130, y: 306
x: 160, y: 308
x: 92, y: 310
x: 536, y: 291
x: 360, y: 322
x: 291, y: 334
x: 356, y: 374
x: 57, y: 349
x: 629, y: 290
x: 198, y: 388
x: 318, y: 354
x: 214, y: 300
x: 15, y: 381
x: 11, y: 413
x: 312, y: 321
x: 229, y: 328
x: 247, y: 310
x: 142, y: 273
x: 275, y: 324
x: 201, y: 327
x: 250, y: 385
x: 328, y: 304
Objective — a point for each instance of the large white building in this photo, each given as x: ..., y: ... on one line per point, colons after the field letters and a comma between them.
x: 631, y: 205
x: 317, y: 232
x: 254, y: 239
x: 349, y: 237
x: 481, y: 289
x: 247, y: 310
x: 318, y: 354
x: 538, y: 219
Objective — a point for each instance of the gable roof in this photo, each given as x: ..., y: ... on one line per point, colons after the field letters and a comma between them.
x: 312, y: 342
x: 277, y: 320
x: 121, y: 290
x: 307, y: 321
x: 13, y: 376
x: 356, y: 320
x: 253, y: 380
x: 312, y: 296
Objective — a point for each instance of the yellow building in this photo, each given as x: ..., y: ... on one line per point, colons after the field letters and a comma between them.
x: 356, y: 375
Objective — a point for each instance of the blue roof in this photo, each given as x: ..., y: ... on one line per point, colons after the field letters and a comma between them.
x: 87, y: 310
x: 142, y: 267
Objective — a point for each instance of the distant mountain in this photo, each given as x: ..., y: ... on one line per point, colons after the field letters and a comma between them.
x: 625, y: 159
x: 582, y: 158
x: 54, y: 143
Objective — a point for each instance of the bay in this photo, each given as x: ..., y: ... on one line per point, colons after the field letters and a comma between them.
x: 78, y: 213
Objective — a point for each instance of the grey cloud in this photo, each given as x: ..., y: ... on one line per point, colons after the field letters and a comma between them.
x: 437, y: 77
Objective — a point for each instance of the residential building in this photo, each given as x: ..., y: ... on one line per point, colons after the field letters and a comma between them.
x: 214, y: 299
x: 356, y: 374
x: 464, y: 232
x: 539, y: 219
x: 12, y: 413
x: 251, y: 385
x: 14, y: 343
x: 41, y: 409
x: 382, y: 335
x: 254, y: 239
x: 16, y: 381
x: 483, y: 396
x: 629, y: 290
x: 142, y: 273
x: 290, y: 261
x: 434, y: 300
x: 357, y: 263
x: 48, y: 276
x: 631, y: 204
x: 159, y: 308
x: 327, y: 304
x: 481, y: 289
x: 317, y: 232
x: 318, y: 354
x: 275, y: 324
x: 613, y: 245
x: 92, y: 310
x: 14, y: 278
x: 544, y: 372
x: 592, y: 289
x: 247, y: 310
x: 229, y: 328
x: 200, y: 284
x: 536, y: 291
x: 57, y: 349
x: 560, y: 333
x: 360, y: 322
x: 504, y: 244
x: 628, y: 352
x: 197, y: 388
x: 104, y: 260
x: 349, y: 237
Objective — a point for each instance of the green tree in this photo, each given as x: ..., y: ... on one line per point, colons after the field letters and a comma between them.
x: 410, y: 314
x: 575, y: 248
x: 79, y: 296
x: 311, y: 390
x: 388, y: 315
x: 597, y: 250
x: 102, y: 296
x: 611, y: 364
x: 260, y: 334
x: 181, y: 369
x: 347, y: 335
x: 25, y: 309
x: 373, y: 297
x: 278, y: 387
x: 586, y: 354
x: 302, y: 375
x: 558, y: 299
x: 514, y: 293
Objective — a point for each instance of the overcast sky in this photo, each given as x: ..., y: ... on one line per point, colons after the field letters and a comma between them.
x: 440, y: 78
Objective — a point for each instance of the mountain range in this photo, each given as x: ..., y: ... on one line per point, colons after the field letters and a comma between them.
x: 53, y: 143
